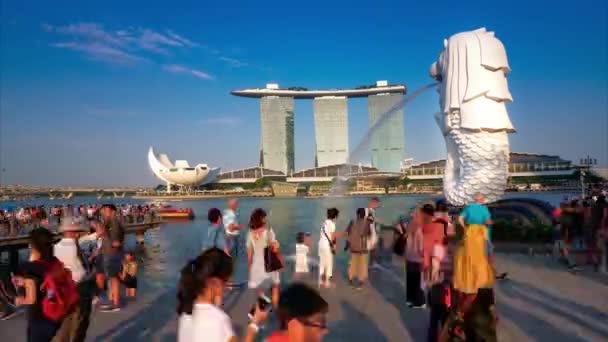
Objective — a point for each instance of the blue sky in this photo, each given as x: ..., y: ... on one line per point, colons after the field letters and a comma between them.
x: 86, y: 87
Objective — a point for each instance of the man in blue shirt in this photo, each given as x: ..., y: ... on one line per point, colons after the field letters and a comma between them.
x: 216, y: 234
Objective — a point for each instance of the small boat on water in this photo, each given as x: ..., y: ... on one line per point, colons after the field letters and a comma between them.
x: 175, y: 213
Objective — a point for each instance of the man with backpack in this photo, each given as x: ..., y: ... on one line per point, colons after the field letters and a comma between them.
x: 67, y: 250
x: 358, y: 232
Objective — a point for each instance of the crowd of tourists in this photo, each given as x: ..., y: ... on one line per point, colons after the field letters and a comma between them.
x: 61, y: 281
x: 582, y: 225
x: 448, y: 257
x: 18, y: 221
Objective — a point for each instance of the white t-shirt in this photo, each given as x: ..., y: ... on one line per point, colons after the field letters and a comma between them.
x: 66, y: 251
x: 329, y: 227
x: 207, y: 323
x: 230, y: 218
x: 301, y: 258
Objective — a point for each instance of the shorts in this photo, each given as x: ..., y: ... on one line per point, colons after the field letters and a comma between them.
x: 130, y: 282
x: 112, y: 265
x: 99, y: 269
x: 358, y: 265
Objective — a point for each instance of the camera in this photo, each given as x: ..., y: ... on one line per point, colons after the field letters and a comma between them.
x: 263, y: 302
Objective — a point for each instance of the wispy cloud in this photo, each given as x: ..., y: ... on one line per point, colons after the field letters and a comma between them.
x: 180, y: 69
x: 130, y: 41
x: 132, y: 45
x: 89, y: 31
x: 101, y: 52
x: 221, y: 120
x: 233, y: 62
x: 184, y: 41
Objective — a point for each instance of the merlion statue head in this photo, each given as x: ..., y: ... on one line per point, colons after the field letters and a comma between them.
x: 472, y: 72
x: 473, y: 92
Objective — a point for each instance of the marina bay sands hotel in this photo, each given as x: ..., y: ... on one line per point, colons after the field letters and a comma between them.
x: 331, y: 124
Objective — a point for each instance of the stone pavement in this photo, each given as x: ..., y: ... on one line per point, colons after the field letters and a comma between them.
x: 540, y: 302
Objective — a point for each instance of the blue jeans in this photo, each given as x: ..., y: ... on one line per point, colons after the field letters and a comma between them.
x: 234, y: 245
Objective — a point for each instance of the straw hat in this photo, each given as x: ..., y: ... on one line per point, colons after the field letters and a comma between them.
x: 68, y: 226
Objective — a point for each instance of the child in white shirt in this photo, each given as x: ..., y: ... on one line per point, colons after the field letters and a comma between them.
x: 301, y: 256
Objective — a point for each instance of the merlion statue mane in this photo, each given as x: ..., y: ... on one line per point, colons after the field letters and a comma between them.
x: 473, y: 118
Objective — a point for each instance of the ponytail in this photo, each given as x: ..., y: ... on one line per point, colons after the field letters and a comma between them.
x: 213, y: 263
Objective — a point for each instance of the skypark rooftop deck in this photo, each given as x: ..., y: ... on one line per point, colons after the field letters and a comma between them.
x: 301, y: 93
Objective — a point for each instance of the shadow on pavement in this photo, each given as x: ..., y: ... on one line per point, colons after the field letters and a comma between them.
x: 354, y: 326
x: 415, y: 321
x: 555, y: 265
x: 534, y: 327
x: 593, y: 319
x: 146, y: 323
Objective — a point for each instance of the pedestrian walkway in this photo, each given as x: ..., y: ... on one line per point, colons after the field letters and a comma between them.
x: 541, y: 301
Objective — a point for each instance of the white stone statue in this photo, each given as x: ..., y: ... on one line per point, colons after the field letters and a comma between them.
x: 473, y: 92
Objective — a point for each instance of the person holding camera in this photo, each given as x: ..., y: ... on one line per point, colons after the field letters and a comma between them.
x: 302, y: 315
x: 200, y: 319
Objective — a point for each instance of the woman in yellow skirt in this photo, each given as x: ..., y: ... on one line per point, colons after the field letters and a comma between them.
x: 472, y: 267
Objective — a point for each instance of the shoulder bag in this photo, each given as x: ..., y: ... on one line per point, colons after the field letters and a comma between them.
x: 273, y: 261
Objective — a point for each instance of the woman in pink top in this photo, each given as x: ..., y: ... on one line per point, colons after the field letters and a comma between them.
x: 433, y: 237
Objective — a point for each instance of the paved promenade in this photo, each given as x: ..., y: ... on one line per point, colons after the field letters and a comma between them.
x: 540, y: 302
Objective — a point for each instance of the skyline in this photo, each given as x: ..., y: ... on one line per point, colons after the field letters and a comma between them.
x: 86, y: 89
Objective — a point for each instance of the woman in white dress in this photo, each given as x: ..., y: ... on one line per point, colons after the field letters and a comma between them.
x: 260, y: 236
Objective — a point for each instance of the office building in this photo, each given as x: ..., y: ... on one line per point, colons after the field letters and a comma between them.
x: 331, y: 130
x: 387, y: 137
x: 277, y: 145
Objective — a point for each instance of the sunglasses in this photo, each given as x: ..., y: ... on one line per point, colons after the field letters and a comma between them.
x: 319, y: 325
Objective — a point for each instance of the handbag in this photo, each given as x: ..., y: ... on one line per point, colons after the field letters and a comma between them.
x: 273, y: 261
x: 399, y: 245
x: 332, y: 243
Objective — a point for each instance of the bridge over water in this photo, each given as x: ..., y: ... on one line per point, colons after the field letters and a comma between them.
x: 8, y: 192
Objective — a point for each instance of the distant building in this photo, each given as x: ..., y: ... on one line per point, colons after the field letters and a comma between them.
x: 331, y: 130
x: 331, y: 124
x: 180, y: 173
x: 387, y: 139
x: 249, y: 175
x: 520, y: 165
x: 277, y: 145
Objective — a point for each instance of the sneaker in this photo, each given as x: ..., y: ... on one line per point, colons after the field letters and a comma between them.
x: 110, y: 308
x: 502, y: 276
x: 375, y: 266
x: 574, y: 268
x: 423, y: 306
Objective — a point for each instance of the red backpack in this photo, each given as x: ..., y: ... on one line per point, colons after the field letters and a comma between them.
x: 60, y: 295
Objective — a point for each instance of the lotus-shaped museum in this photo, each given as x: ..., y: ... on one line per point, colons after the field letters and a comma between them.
x: 180, y: 173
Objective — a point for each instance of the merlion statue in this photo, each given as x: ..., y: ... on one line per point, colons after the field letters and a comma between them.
x: 473, y: 118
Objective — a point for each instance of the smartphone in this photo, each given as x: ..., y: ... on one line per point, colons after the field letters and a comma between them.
x: 263, y: 302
